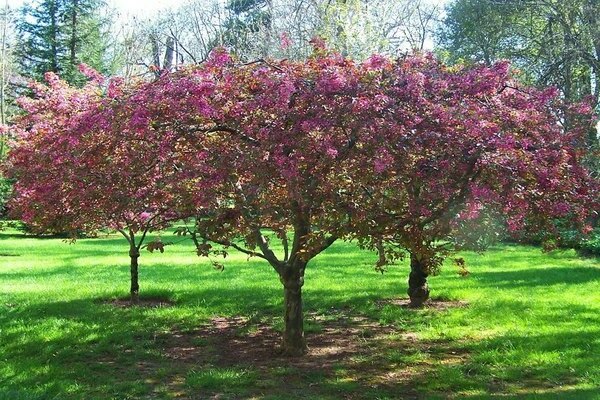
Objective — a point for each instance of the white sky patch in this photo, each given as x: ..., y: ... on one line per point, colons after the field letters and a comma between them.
x: 149, y: 7
x: 131, y: 7
x: 143, y: 7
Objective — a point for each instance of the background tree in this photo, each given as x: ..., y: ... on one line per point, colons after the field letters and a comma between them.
x: 253, y: 29
x: 7, y: 64
x: 7, y: 107
x: 464, y: 37
x: 247, y: 20
x: 552, y: 42
x: 57, y: 35
x: 358, y: 28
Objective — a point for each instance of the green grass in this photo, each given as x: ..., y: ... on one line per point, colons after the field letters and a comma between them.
x: 531, y: 328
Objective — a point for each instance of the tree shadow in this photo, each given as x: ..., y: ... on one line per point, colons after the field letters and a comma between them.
x: 110, y: 351
x: 546, y: 276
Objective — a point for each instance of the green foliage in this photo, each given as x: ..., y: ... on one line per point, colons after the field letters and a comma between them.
x: 6, y: 186
x: 586, y: 245
x: 58, y: 35
x: 467, y: 39
x: 246, y: 19
x: 550, y: 42
x: 590, y: 246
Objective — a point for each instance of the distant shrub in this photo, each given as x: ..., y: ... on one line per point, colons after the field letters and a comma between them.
x: 590, y: 246
x: 6, y: 187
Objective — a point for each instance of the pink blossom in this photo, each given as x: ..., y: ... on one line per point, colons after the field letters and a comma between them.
x: 331, y: 152
x: 376, y: 61
x: 561, y: 209
x: 91, y: 73
x: 219, y: 57
x: 332, y: 81
x: 115, y: 87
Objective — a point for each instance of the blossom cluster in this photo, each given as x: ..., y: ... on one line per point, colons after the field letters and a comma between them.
x: 398, y: 150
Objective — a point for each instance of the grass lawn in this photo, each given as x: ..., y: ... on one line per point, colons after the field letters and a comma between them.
x: 522, y: 325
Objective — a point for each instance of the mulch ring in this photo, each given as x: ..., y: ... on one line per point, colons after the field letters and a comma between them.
x: 237, y: 341
x: 356, y: 345
x: 431, y: 304
x: 234, y: 341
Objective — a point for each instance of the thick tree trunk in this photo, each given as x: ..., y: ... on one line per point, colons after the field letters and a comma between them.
x: 134, y: 254
x: 169, y: 52
x: 294, y: 343
x: 418, y: 291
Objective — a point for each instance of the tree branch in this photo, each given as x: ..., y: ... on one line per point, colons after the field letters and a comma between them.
x: 267, y: 252
x: 228, y: 243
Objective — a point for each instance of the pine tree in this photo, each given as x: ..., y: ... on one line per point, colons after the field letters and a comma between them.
x: 38, y: 29
x: 58, y: 35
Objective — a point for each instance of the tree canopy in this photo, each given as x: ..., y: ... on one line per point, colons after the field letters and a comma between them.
x: 396, y: 153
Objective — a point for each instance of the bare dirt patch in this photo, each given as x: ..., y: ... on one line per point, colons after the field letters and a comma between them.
x: 347, y: 353
x: 236, y: 341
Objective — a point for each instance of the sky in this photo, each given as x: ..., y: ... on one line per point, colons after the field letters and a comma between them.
x: 149, y: 7
x: 143, y: 7
x: 134, y: 7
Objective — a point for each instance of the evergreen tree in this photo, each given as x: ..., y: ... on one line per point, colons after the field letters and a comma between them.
x: 58, y: 35
x: 248, y: 27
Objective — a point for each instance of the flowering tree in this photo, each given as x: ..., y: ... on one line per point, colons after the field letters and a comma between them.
x: 266, y: 148
x: 80, y: 168
x: 280, y: 159
x: 452, y: 145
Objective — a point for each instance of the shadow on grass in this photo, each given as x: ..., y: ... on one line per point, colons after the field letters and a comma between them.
x: 106, y: 348
x: 538, y: 277
x: 548, y: 394
x: 84, y: 349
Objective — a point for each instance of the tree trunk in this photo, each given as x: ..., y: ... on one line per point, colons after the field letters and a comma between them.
x: 169, y: 52
x: 73, y: 41
x: 418, y: 291
x: 294, y: 343
x: 134, y: 254
x: 155, y: 54
x: 54, y: 36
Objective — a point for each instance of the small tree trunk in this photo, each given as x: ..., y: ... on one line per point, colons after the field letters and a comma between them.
x: 134, y: 254
x: 294, y: 343
x: 169, y: 52
x: 418, y: 291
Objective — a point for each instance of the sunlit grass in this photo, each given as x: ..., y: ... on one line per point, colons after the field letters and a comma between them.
x: 531, y: 328
x: 221, y: 378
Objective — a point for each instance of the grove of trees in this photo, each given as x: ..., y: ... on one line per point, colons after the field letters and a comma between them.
x: 395, y: 153
x: 279, y: 128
